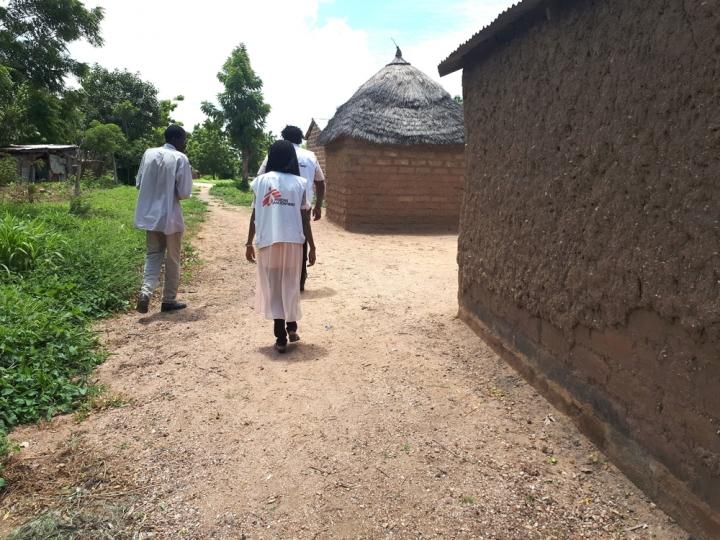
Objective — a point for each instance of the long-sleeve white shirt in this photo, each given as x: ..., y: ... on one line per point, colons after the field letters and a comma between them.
x: 164, y: 177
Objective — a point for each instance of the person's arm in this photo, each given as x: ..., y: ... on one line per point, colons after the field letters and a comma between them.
x: 249, y: 248
x: 319, y: 181
x: 183, y: 180
x: 138, y: 178
x: 307, y: 231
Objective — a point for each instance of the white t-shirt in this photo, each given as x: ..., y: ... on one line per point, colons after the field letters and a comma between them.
x: 310, y: 170
x: 278, y: 198
x: 164, y: 177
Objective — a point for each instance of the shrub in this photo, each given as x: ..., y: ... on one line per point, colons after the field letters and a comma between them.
x: 8, y: 170
x: 242, y: 184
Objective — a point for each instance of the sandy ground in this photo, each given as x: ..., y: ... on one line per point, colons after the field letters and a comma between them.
x: 390, y: 419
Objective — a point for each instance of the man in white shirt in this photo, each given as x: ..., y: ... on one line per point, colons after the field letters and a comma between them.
x: 311, y: 171
x: 163, y: 179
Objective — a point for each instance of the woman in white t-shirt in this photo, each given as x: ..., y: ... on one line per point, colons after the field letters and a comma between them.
x: 279, y: 230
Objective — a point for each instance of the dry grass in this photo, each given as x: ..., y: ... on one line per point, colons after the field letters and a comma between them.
x: 73, y: 492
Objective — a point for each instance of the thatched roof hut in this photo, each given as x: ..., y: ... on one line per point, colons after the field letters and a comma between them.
x: 398, y: 105
x: 395, y: 153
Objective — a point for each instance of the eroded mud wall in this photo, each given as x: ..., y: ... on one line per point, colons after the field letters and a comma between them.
x: 590, y: 231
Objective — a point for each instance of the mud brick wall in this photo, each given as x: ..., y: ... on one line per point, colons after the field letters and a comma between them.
x: 589, y: 249
x: 313, y: 146
x: 397, y: 187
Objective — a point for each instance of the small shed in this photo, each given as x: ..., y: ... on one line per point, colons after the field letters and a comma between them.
x: 38, y: 162
x: 395, y: 154
x: 312, y: 135
x: 589, y: 249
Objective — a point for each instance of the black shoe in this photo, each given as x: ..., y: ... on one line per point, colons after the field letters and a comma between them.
x: 172, y: 306
x: 293, y: 337
x: 143, y: 302
x: 281, y: 346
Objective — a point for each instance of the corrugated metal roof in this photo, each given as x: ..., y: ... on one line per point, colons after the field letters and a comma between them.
x: 487, y: 38
x: 34, y: 148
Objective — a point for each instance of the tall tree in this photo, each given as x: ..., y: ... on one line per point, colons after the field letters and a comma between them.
x: 34, y: 35
x: 242, y: 109
x: 34, y: 62
x: 122, y: 98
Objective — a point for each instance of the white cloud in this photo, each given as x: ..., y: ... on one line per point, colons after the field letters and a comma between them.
x: 308, y: 68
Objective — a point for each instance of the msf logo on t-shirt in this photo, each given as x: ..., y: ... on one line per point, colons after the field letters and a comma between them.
x: 273, y: 196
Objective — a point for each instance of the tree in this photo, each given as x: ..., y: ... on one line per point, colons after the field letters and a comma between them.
x: 122, y: 98
x: 34, y: 62
x: 104, y: 140
x: 242, y: 109
x: 34, y: 35
x: 13, y: 109
x: 210, y: 151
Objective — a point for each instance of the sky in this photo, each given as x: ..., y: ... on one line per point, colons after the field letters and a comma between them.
x: 310, y: 54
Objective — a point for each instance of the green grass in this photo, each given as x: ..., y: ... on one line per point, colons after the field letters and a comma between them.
x: 228, y: 192
x: 79, y: 268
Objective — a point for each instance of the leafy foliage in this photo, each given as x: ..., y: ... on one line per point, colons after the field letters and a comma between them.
x: 103, y: 139
x: 242, y: 109
x: 122, y: 98
x: 210, y: 152
x: 8, y: 170
x: 47, y: 347
x: 34, y: 35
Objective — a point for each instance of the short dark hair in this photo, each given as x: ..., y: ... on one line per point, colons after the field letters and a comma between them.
x: 174, y: 133
x: 293, y: 134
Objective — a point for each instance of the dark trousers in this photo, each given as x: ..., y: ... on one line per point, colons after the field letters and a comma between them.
x: 303, y: 272
x: 280, y: 332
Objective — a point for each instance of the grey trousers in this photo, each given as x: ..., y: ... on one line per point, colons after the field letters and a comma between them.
x: 162, y: 248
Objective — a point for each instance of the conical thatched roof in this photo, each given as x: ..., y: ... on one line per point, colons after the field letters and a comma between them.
x: 398, y: 105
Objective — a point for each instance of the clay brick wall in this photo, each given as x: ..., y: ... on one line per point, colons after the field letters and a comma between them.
x: 589, y: 249
x: 313, y: 146
x: 394, y: 187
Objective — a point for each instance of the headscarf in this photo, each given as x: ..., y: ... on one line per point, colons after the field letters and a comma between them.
x: 282, y: 158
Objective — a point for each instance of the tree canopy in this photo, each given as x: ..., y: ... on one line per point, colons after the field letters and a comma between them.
x: 34, y: 35
x: 210, y: 151
x: 242, y: 109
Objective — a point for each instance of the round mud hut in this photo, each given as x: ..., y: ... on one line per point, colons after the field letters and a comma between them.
x: 395, y: 154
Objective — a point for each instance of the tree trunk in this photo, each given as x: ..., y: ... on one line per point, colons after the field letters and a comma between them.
x: 115, y: 176
x: 245, y: 163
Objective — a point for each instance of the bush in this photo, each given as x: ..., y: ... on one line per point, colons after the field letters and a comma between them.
x: 242, y: 184
x: 8, y: 170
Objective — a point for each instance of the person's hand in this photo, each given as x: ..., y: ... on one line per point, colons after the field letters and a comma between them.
x: 250, y: 253
x: 312, y: 257
x: 317, y: 212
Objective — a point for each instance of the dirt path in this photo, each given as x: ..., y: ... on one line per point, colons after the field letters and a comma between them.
x: 391, y: 419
